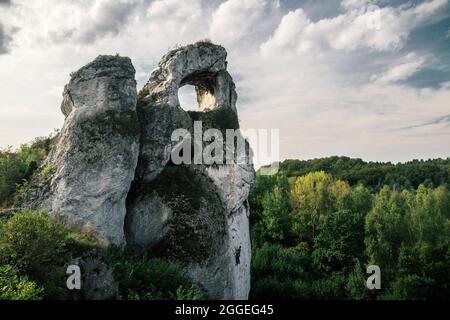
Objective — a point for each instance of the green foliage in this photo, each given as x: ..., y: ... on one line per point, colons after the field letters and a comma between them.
x: 279, y: 273
x: 315, y: 196
x: 387, y: 229
x: 374, y: 175
x: 274, y: 219
x: 47, y: 170
x: 16, y: 167
x: 339, y: 227
x: 356, y: 283
x: 39, y: 247
x: 331, y: 286
x: 338, y: 242
x: 35, y: 249
x: 31, y: 241
x: 263, y: 185
x: 145, y: 278
x: 407, y: 235
x: 14, y: 287
x: 12, y: 171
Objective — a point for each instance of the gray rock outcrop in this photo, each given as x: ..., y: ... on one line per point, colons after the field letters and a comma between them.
x: 201, y: 208
x: 88, y: 174
x: 112, y: 172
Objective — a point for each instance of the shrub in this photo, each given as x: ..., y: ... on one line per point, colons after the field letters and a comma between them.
x: 17, y: 166
x: 14, y: 287
x: 32, y: 241
x: 145, y: 278
x: 40, y: 247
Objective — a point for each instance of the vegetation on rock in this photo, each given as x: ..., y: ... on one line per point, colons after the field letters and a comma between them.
x: 35, y: 250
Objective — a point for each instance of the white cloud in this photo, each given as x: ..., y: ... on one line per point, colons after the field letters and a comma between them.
x: 288, y: 33
x: 174, y: 15
x: 402, y: 71
x: 106, y: 18
x: 356, y: 4
x: 235, y: 19
x: 328, y: 85
x: 352, y: 30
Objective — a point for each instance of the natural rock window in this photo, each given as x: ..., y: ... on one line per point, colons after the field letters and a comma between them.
x: 205, y: 84
x: 188, y: 98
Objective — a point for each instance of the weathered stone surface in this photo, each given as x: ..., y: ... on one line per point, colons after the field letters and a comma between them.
x: 197, y: 213
x: 187, y: 213
x: 88, y: 174
x: 97, y: 280
x: 201, y: 64
x: 111, y: 170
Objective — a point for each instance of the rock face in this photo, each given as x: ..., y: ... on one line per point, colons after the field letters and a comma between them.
x: 90, y: 171
x: 97, y: 280
x: 112, y: 169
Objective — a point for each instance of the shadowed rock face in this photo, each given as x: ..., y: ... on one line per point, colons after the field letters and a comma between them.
x: 111, y: 170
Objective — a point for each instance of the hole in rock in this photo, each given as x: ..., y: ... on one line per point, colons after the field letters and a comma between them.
x: 188, y: 98
x: 197, y: 92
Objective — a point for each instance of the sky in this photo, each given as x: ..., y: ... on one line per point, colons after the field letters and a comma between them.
x: 360, y: 78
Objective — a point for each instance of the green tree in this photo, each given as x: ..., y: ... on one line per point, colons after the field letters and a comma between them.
x: 16, y: 167
x: 280, y: 273
x: 275, y: 223
x: 314, y: 196
x: 339, y: 242
x: 388, y: 228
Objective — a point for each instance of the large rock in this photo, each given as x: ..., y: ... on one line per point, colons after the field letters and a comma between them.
x: 112, y: 172
x: 194, y: 213
x: 87, y: 176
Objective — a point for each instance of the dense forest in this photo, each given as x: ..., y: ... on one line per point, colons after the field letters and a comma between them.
x: 315, y: 226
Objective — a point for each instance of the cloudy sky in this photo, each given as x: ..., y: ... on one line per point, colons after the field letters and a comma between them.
x: 361, y: 78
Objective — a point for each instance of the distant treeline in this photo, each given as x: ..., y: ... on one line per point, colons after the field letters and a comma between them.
x: 374, y: 175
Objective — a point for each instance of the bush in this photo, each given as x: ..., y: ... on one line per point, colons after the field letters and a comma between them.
x: 279, y: 273
x: 40, y: 247
x: 145, y: 278
x: 32, y: 241
x: 18, y: 166
x: 14, y: 287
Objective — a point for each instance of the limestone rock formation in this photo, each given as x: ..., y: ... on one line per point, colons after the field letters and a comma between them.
x: 112, y: 171
x: 201, y: 209
x: 88, y: 175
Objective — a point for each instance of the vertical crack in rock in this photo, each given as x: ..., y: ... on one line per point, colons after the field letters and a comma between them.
x: 237, y: 255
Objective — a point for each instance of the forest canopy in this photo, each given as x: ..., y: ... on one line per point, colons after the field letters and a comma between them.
x: 317, y: 225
